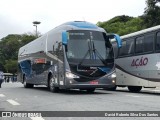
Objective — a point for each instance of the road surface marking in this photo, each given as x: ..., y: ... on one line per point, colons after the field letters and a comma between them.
x: 156, y: 90
x: 13, y: 102
x: 132, y: 96
x: 135, y: 96
x: 37, y: 118
x: 1, y: 95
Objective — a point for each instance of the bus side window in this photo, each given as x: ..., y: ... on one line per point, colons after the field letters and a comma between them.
x: 158, y: 41
x: 148, y: 43
x: 55, y: 48
x: 60, y: 50
x: 122, y: 51
x: 60, y: 46
x: 115, y: 48
x: 130, y: 46
x: 140, y: 45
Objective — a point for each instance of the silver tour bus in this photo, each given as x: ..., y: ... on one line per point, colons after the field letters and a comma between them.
x: 138, y: 60
x: 74, y: 55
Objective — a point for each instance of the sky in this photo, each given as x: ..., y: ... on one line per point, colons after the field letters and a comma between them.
x: 17, y: 16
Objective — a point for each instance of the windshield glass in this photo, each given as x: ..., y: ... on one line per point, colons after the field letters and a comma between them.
x: 88, y: 48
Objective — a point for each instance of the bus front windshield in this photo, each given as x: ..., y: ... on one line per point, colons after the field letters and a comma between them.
x: 89, y: 48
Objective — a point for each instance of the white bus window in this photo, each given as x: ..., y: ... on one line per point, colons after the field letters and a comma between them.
x: 158, y: 41
x: 139, y: 45
x: 148, y: 43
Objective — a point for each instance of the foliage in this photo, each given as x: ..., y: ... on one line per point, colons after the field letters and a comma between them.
x: 9, y: 47
x: 122, y: 24
x: 11, y: 66
x: 152, y: 13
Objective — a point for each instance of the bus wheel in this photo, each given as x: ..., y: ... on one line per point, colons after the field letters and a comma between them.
x: 91, y: 90
x: 134, y: 88
x: 27, y: 85
x: 52, y: 88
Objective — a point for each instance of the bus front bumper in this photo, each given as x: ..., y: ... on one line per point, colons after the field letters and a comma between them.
x: 100, y: 83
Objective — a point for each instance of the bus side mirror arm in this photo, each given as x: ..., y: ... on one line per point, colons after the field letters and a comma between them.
x: 64, y: 38
x: 117, y: 38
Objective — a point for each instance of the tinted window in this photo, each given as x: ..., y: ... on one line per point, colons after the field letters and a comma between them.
x: 139, y: 44
x: 130, y: 46
x: 148, y: 43
x: 127, y: 47
x: 88, y: 44
x: 86, y: 47
x: 55, y: 47
x: 158, y: 41
x: 122, y: 50
x: 115, y: 48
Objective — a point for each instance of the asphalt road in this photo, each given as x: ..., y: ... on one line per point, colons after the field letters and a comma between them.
x: 14, y: 97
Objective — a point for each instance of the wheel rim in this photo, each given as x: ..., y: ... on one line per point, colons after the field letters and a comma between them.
x: 52, y: 83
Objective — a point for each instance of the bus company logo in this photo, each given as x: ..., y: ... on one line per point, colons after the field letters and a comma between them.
x: 139, y: 62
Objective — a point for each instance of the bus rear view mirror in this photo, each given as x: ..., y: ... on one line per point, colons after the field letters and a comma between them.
x: 117, y: 38
x: 64, y: 38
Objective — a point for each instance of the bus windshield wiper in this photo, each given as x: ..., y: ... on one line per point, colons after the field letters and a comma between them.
x: 95, y: 51
x: 92, y: 51
x: 88, y: 52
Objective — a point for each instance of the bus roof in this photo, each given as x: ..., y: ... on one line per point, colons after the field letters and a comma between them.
x: 82, y: 24
x: 141, y: 32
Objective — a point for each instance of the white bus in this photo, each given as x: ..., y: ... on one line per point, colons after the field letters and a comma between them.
x: 74, y: 55
x: 138, y: 60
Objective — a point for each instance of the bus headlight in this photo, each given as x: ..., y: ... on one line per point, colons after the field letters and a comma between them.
x: 71, y: 75
x: 113, y: 75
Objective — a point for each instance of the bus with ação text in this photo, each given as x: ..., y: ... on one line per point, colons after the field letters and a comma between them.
x: 138, y: 60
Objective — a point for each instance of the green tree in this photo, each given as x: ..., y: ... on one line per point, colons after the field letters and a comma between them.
x: 9, y: 47
x: 122, y: 24
x: 11, y: 66
x: 26, y: 38
x: 152, y: 13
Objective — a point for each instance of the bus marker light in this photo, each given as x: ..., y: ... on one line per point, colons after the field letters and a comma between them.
x: 40, y: 60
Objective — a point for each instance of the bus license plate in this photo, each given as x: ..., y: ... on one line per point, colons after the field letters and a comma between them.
x: 94, y: 82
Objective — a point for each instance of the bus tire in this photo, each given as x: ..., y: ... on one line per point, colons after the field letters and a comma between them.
x: 134, y: 88
x: 51, y: 86
x: 90, y: 90
x: 27, y: 85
